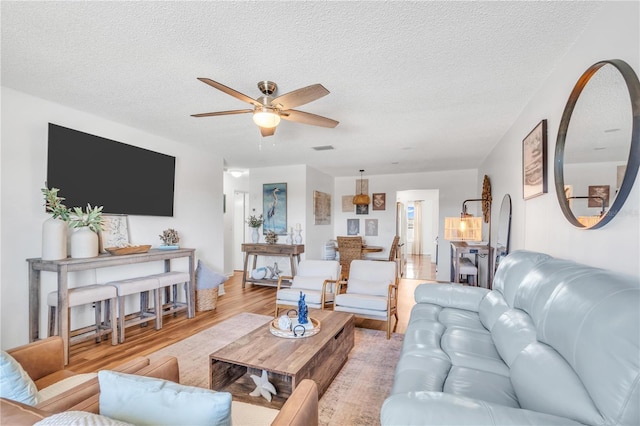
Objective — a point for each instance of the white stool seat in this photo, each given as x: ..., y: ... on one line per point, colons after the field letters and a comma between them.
x: 466, y: 267
x: 170, y: 281
x: 140, y: 285
x: 89, y: 294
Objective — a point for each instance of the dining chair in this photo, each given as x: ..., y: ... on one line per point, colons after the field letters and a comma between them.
x: 315, y: 278
x: 350, y: 248
x: 371, y: 292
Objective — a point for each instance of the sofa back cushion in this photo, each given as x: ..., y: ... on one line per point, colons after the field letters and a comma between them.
x: 584, y: 363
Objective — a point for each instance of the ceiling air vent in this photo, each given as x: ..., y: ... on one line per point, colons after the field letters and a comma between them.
x: 323, y: 148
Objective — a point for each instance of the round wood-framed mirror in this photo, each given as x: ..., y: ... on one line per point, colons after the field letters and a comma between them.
x: 598, y: 148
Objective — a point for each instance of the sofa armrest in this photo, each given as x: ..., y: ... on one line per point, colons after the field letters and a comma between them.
x: 17, y: 414
x: 451, y: 295
x: 437, y: 408
x: 40, y: 358
x: 301, y: 409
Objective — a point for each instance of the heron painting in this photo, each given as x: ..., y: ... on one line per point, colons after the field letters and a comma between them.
x: 274, y: 205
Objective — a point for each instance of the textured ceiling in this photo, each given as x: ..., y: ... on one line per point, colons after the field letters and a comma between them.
x: 416, y: 86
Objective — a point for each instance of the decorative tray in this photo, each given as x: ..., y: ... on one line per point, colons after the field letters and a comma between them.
x: 290, y: 334
x: 117, y: 251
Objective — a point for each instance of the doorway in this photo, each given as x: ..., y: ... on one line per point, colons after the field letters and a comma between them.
x: 240, y: 209
x: 418, y: 227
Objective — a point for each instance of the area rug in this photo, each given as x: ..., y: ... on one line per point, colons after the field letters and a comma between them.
x: 354, y: 397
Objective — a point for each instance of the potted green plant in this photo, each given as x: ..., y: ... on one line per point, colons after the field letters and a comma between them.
x: 86, y: 224
x: 54, y: 229
x: 255, y: 222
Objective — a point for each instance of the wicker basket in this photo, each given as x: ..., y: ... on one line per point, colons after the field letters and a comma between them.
x: 206, y: 299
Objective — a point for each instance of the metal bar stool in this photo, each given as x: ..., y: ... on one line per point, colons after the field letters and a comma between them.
x: 91, y: 294
x: 139, y: 286
x: 169, y: 281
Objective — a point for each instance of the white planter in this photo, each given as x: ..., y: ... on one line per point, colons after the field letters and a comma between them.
x: 84, y: 243
x: 255, y: 235
x: 54, y: 239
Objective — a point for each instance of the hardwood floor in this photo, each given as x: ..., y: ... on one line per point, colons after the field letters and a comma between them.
x: 140, y: 341
x: 419, y: 267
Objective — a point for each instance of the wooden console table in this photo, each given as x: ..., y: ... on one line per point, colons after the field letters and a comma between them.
x: 458, y: 248
x: 64, y: 266
x: 292, y: 251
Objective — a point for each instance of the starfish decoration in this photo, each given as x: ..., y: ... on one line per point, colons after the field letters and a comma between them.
x: 263, y: 387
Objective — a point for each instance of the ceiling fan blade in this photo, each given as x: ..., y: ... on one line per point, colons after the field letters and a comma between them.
x: 308, y: 118
x: 230, y: 91
x: 267, y: 131
x: 300, y: 96
x: 212, y: 114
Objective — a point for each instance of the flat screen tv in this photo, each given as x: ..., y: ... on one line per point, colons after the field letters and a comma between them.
x: 123, y: 178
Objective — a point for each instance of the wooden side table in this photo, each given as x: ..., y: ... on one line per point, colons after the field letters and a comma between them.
x: 292, y: 251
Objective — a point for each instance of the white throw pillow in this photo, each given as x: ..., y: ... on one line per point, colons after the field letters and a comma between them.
x: 149, y: 401
x: 308, y: 283
x: 79, y: 418
x: 15, y: 383
x: 370, y: 288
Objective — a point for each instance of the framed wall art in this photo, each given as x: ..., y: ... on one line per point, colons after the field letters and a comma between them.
x: 115, y: 231
x: 379, y: 201
x: 353, y: 226
x: 598, y: 194
x: 274, y: 206
x: 371, y: 227
x: 362, y: 209
x: 322, y: 208
x: 534, y: 162
x: 347, y: 203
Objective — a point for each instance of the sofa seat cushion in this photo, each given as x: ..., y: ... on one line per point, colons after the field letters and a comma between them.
x: 473, y: 349
x: 243, y: 413
x: 478, y: 384
x: 421, y: 371
x: 312, y: 297
x: 374, y: 304
x: 64, y: 385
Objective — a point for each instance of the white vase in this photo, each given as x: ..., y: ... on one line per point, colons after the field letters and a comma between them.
x: 298, y: 238
x: 54, y: 239
x: 84, y: 243
x: 255, y: 236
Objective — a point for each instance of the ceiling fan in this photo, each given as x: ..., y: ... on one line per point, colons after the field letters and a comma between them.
x: 268, y: 110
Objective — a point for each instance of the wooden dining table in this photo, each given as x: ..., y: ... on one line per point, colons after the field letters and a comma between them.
x: 368, y: 249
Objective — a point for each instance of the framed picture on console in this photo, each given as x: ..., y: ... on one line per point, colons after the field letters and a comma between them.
x: 115, y: 231
x: 274, y: 206
x: 534, y: 162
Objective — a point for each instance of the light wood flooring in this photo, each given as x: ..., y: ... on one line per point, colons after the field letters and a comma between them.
x: 419, y: 267
x: 140, y: 341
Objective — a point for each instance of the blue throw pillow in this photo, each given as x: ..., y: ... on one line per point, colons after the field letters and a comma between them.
x: 207, y: 277
x: 149, y: 401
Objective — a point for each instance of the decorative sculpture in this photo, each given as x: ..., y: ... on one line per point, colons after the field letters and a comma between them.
x: 263, y: 387
x: 303, y: 311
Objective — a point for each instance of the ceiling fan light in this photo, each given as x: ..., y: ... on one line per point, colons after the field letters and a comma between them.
x: 266, y: 118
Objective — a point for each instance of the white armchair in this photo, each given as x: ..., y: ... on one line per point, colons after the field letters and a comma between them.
x: 315, y: 278
x: 371, y: 292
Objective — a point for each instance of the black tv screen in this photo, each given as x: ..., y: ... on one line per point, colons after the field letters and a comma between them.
x: 123, y: 178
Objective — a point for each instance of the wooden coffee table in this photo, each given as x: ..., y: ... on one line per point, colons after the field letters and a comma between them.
x: 287, y: 361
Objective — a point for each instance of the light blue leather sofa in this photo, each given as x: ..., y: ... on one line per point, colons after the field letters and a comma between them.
x: 555, y: 342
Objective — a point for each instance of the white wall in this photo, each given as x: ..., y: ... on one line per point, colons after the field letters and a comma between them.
x: 538, y: 224
x: 233, y: 221
x: 197, y: 208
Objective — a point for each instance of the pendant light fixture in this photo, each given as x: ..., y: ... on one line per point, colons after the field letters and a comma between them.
x: 361, y: 199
